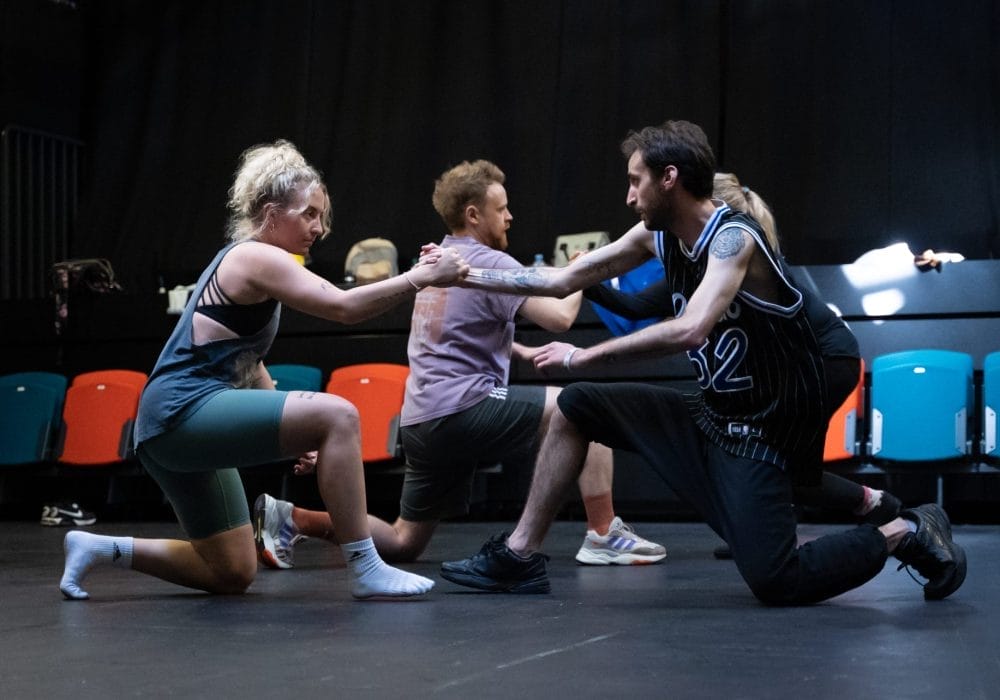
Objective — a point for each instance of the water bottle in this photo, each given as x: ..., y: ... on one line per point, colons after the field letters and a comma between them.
x: 539, y: 260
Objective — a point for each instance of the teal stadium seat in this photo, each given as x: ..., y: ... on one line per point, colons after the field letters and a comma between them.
x: 921, y: 403
x: 991, y: 404
x: 30, y: 416
x: 296, y: 377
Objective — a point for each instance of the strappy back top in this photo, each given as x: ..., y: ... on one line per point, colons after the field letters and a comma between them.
x: 186, y: 375
x: 242, y: 319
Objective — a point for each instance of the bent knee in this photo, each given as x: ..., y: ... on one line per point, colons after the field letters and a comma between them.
x: 404, y: 553
x: 778, y: 588
x: 233, y: 575
x: 341, y: 414
x: 321, y: 411
x: 409, y: 543
x: 234, y: 581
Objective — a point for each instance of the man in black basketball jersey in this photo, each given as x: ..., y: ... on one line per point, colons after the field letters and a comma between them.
x: 730, y: 449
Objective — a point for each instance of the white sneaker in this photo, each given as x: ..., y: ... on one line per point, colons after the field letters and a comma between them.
x: 620, y: 546
x: 274, y: 532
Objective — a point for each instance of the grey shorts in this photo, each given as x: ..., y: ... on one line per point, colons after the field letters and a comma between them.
x: 442, y: 454
x: 196, y: 464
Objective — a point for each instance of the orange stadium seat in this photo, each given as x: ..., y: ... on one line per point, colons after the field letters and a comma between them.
x: 98, y: 422
x: 841, y: 434
x: 376, y: 389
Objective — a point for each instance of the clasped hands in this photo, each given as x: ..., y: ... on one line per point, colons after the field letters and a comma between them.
x: 447, y: 265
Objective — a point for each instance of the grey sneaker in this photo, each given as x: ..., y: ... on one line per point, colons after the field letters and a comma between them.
x: 620, y: 546
x: 932, y: 552
x: 274, y: 533
x: 496, y: 568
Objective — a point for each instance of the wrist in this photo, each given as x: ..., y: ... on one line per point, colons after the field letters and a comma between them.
x: 409, y: 279
x: 568, y: 358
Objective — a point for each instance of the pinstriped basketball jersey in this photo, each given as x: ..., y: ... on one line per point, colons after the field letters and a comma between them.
x: 760, y: 369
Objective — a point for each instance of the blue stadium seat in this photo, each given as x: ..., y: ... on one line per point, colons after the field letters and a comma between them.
x: 296, y: 377
x: 30, y: 415
x: 991, y: 404
x: 921, y: 403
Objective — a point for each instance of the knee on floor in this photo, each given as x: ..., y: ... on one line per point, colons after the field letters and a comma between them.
x: 404, y: 552
x: 234, y: 580
x: 776, y: 588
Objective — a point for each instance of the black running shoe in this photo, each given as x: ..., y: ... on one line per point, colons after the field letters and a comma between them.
x: 931, y: 551
x: 68, y: 514
x: 885, y: 512
x: 496, y: 568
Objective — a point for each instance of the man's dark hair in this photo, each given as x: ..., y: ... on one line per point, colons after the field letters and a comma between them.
x: 678, y: 143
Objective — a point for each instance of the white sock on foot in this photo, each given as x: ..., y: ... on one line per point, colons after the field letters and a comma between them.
x: 373, y: 577
x: 83, y: 551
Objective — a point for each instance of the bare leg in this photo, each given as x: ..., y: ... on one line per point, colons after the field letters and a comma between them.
x: 560, y: 461
x: 596, y: 479
x: 597, y: 476
x: 402, y: 541
x: 311, y: 421
x: 595, y: 484
x: 332, y: 424
x: 222, y: 563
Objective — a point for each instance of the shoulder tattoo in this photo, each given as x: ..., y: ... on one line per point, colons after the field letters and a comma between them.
x: 727, y: 243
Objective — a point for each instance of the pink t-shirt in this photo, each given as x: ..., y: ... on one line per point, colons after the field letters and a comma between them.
x: 460, y: 340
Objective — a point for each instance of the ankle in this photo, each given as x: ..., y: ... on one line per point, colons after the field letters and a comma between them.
x: 600, y: 512
x: 894, y: 532
x: 312, y: 523
x: 518, y: 546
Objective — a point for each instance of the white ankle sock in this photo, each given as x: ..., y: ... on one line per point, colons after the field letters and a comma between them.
x: 83, y: 551
x: 373, y: 577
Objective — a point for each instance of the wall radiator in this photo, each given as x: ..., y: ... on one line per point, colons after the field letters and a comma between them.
x: 39, y: 198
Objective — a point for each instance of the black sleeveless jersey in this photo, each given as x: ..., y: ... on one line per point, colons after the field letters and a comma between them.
x: 760, y: 370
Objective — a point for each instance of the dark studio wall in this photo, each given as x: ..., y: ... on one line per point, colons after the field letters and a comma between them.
x: 41, y: 66
x: 861, y: 122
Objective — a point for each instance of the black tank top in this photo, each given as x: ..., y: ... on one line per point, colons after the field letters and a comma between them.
x: 760, y: 370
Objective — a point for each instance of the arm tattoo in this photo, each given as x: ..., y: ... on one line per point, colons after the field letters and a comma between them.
x: 517, y: 279
x: 604, y: 269
x: 727, y: 243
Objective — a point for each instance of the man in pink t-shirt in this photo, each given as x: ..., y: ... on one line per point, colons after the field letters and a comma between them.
x: 459, y: 412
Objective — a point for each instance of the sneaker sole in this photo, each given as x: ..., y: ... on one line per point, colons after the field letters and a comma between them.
x: 538, y: 585
x: 952, y: 582
x: 67, y: 522
x: 264, y: 555
x: 589, y: 557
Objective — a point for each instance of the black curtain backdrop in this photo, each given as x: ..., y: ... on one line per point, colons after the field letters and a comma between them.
x: 862, y: 122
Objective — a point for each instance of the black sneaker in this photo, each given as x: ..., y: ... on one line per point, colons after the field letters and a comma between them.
x: 68, y: 514
x: 496, y: 568
x: 931, y: 551
x: 885, y: 512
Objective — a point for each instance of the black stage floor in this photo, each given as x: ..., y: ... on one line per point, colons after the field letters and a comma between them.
x: 687, y: 628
